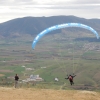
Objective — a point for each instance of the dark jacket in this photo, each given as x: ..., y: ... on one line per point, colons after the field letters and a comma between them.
x: 16, y: 78
x: 70, y: 77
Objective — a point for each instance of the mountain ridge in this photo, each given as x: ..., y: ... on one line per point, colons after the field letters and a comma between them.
x: 34, y: 25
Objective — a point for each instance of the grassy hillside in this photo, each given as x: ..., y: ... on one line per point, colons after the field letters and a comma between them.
x: 61, y: 54
x: 46, y: 94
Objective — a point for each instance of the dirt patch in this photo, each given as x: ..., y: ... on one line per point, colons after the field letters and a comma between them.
x: 8, y: 71
x: 2, y: 75
x: 88, y: 92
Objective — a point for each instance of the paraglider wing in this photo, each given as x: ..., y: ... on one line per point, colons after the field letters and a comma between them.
x: 40, y: 35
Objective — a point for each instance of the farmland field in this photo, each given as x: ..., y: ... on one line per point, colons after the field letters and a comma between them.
x: 55, y: 55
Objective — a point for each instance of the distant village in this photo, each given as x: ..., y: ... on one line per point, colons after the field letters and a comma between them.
x: 32, y: 77
x: 35, y: 78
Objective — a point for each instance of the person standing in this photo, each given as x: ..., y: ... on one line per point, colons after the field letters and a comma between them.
x: 16, y: 80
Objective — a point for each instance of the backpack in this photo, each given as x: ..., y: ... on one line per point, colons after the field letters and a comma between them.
x: 70, y: 78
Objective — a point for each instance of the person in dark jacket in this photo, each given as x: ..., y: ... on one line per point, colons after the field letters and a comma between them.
x: 16, y: 80
x: 70, y: 77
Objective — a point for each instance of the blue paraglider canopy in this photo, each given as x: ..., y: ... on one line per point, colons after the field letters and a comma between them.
x: 41, y: 34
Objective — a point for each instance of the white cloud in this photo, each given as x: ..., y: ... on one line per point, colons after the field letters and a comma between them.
x: 10, y: 9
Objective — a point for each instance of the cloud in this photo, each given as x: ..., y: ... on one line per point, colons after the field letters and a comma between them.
x: 10, y: 9
x: 48, y: 2
x: 86, y: 1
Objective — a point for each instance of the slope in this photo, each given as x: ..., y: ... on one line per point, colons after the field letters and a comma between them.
x: 45, y: 94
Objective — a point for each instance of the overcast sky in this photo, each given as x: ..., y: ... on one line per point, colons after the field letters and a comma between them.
x: 10, y: 9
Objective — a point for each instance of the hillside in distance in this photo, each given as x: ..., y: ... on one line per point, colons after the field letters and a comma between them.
x: 77, y: 52
x: 34, y: 25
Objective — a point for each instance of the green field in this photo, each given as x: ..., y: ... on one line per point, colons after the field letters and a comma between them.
x: 60, y: 54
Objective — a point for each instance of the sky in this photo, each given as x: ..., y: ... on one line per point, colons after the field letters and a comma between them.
x: 11, y: 9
